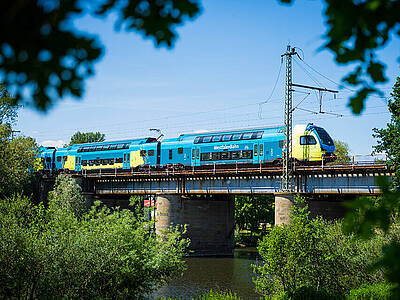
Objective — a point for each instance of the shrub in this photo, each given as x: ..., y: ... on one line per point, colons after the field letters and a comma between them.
x: 313, y: 255
x: 54, y: 254
x: 211, y: 295
x: 378, y: 291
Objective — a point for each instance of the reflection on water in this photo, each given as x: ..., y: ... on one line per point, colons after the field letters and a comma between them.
x: 216, y: 273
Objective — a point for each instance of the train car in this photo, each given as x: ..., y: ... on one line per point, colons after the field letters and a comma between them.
x: 123, y: 154
x: 245, y: 146
x: 47, y: 158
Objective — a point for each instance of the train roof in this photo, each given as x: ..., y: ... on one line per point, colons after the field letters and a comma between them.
x: 265, y: 129
x: 129, y: 141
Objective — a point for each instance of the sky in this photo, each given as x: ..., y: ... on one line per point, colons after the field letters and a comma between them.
x: 222, y: 66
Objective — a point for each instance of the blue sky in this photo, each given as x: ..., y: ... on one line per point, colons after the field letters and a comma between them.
x: 222, y: 66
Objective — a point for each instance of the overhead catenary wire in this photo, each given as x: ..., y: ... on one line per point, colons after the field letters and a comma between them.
x: 272, y: 92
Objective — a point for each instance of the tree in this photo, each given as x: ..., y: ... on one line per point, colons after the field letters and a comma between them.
x: 250, y: 211
x: 342, y: 152
x: 17, y: 160
x: 368, y: 215
x: 389, y: 138
x: 67, y: 195
x: 8, y: 109
x: 86, y: 137
x: 104, y: 254
x: 41, y: 49
x: 356, y: 29
x: 314, y: 255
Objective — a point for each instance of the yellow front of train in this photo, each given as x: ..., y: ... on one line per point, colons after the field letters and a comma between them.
x: 312, y: 143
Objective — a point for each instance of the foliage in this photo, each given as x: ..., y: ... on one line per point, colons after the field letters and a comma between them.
x: 8, y: 110
x: 356, y: 29
x: 212, y: 295
x: 67, y: 196
x: 342, y: 152
x: 377, y: 291
x: 17, y: 158
x: 313, y: 255
x: 86, y: 137
x: 389, y: 138
x: 250, y: 211
x: 367, y: 215
x: 53, y: 254
x: 56, y: 58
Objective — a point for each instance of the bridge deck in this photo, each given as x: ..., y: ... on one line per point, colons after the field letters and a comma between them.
x: 328, y: 179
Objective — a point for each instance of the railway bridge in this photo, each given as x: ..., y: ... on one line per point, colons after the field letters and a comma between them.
x: 203, y: 198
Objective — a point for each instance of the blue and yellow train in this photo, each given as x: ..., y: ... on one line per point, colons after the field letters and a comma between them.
x: 247, y: 146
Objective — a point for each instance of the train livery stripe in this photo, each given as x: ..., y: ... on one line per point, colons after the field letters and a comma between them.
x: 70, y: 163
x: 114, y: 166
x: 136, y: 159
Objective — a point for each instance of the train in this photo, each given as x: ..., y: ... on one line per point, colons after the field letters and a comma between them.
x: 310, y: 144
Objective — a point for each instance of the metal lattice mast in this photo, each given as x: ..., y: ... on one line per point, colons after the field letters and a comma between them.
x: 287, y: 151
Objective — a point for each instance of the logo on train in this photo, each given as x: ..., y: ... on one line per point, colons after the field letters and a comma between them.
x: 224, y: 147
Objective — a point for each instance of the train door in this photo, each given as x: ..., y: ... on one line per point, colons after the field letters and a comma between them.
x: 258, y: 152
x: 126, y: 161
x: 77, y: 163
x: 196, y: 156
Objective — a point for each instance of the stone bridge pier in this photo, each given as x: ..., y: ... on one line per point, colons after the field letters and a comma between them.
x: 210, y: 221
x: 330, y: 207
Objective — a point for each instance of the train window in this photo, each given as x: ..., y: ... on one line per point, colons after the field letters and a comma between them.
x: 106, y: 147
x: 126, y: 146
x: 48, y: 159
x: 235, y: 154
x: 216, y: 138
x: 226, y: 137
x: 205, y: 156
x: 261, y: 150
x: 180, y: 150
x: 215, y: 155
x: 142, y: 152
x: 307, y: 140
x: 206, y: 139
x: 197, y: 153
x: 79, y: 149
x: 113, y: 147
x: 124, y: 157
x: 225, y: 155
x: 99, y: 148
x: 255, y: 150
x: 127, y: 158
x: 151, y: 153
x: 58, y: 158
x: 257, y: 135
x: 118, y: 160
x: 84, y: 162
x: 248, y: 154
x: 247, y: 135
x: 197, y: 139
x: 170, y: 154
x: 236, y: 136
x: 65, y: 158
x: 281, y: 144
x: 91, y: 162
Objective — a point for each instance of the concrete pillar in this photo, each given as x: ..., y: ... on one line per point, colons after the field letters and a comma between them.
x: 210, y: 221
x: 283, y: 205
x: 330, y: 208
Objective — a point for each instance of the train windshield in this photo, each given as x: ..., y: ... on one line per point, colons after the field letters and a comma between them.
x: 324, y: 136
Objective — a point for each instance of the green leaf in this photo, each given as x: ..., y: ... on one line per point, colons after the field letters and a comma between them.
x: 357, y: 101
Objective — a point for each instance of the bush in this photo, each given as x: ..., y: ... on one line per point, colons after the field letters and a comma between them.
x: 54, y: 254
x: 314, y: 255
x: 378, y: 291
x: 211, y: 295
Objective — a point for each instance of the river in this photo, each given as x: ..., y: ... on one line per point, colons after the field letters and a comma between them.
x: 216, y: 273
